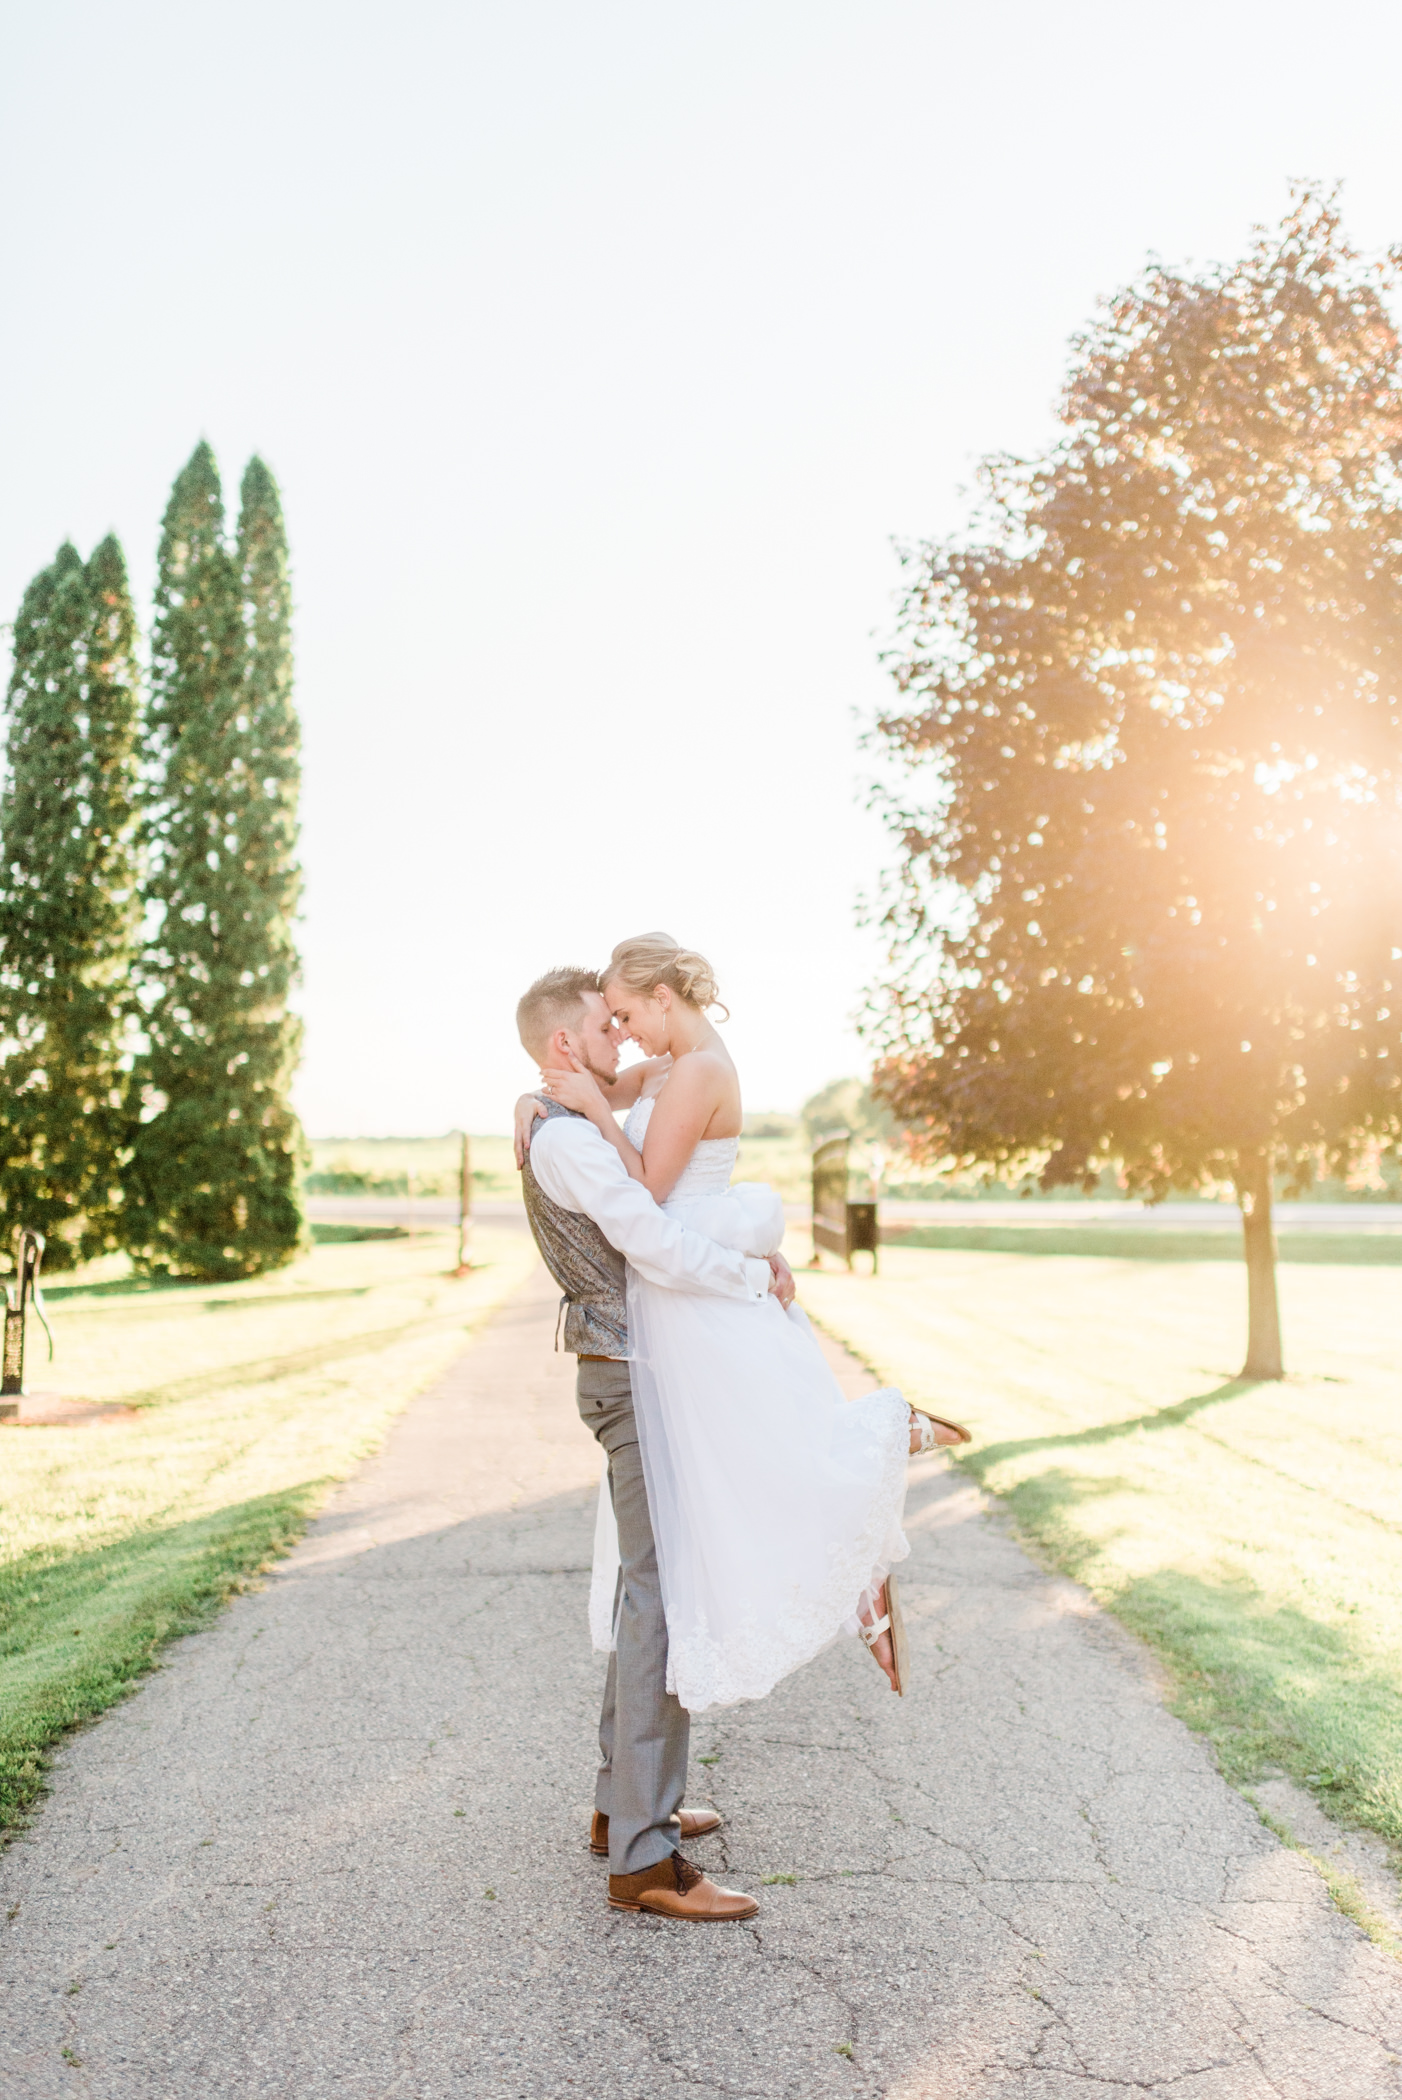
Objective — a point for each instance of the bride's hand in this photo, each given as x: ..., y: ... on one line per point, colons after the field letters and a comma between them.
x: 527, y: 1109
x: 579, y: 1090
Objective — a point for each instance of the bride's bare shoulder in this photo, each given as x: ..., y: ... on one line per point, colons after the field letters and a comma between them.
x: 709, y: 1069
x: 706, y: 1083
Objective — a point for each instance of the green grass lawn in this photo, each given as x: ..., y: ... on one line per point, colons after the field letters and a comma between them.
x: 250, y: 1400
x: 1251, y: 1534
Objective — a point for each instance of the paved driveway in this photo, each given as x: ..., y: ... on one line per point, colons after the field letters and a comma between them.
x: 336, y: 1846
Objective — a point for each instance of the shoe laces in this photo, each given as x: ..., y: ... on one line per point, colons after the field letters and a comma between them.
x: 687, y: 1875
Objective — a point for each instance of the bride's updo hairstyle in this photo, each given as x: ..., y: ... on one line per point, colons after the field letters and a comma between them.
x: 651, y: 959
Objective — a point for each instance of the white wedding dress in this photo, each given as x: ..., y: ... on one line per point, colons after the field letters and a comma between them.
x: 775, y: 1502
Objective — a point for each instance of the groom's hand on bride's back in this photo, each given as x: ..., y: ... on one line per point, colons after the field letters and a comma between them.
x: 783, y: 1285
x: 527, y: 1109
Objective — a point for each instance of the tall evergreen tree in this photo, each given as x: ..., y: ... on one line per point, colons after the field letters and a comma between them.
x: 69, y: 903
x: 274, y: 761
x: 214, y: 1182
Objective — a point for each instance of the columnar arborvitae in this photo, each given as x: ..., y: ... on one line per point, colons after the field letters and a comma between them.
x: 213, y: 1188
x: 270, y: 861
x: 69, y: 904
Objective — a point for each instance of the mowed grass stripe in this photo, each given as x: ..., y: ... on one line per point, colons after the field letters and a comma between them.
x: 115, y: 1538
x: 1381, y: 1244
x: 1252, y: 1534
x: 259, y: 1370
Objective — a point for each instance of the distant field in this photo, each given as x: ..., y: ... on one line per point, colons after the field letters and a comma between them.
x: 250, y: 1400
x: 382, y: 1166
x: 1252, y: 1534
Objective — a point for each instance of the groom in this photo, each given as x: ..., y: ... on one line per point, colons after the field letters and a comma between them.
x: 587, y: 1215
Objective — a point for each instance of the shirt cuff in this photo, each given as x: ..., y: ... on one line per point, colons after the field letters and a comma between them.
x: 758, y: 1276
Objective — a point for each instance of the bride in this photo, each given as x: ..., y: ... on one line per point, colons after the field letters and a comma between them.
x: 776, y: 1504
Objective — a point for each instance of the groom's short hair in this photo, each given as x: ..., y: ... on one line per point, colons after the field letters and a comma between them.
x: 555, y: 1000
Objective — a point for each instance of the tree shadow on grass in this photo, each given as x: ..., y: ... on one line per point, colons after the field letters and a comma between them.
x: 984, y: 1457
x: 121, y: 1287
x: 139, y: 1286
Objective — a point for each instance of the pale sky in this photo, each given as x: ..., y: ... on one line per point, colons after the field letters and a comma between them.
x: 600, y: 353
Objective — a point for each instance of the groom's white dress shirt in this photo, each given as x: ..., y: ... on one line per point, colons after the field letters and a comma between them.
x: 579, y: 1169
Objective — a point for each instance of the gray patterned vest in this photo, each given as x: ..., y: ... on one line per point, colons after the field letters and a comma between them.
x: 588, y: 1270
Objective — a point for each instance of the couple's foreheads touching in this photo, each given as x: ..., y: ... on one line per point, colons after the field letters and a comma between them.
x: 588, y: 1014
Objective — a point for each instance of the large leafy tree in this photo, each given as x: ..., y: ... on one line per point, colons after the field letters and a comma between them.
x: 214, y: 1182
x: 1152, y: 898
x: 69, y: 903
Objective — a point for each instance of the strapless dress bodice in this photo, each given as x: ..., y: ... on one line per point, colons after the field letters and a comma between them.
x: 706, y: 1172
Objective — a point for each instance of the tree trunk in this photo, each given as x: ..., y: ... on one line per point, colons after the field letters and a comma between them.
x: 1253, y: 1189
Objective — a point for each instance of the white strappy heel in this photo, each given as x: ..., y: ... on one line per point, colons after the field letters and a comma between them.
x: 927, y: 1423
x: 892, y: 1621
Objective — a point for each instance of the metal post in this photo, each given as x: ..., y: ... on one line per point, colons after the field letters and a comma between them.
x: 29, y: 1253
x: 464, y: 1208
x: 12, y: 1383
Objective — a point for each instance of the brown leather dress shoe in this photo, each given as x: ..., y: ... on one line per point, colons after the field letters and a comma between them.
x: 691, y: 1823
x: 676, y: 1889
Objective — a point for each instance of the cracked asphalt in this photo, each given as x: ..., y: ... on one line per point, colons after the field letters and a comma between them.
x: 336, y: 1846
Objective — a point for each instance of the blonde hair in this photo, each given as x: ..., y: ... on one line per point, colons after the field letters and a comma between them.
x: 650, y: 959
x: 556, y: 1000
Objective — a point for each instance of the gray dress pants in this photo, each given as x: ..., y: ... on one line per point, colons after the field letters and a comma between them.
x: 643, y: 1730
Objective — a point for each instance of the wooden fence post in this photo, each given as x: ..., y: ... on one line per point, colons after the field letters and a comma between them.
x: 464, y: 1209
